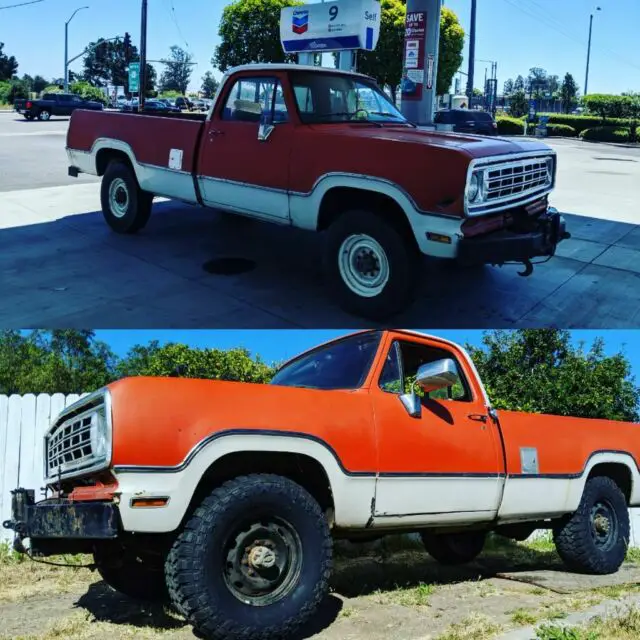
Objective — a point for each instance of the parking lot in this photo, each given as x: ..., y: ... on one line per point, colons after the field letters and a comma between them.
x: 61, y: 267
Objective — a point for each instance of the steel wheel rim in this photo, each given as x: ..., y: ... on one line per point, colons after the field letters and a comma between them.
x: 262, y: 561
x: 118, y: 198
x: 45, y: 115
x: 604, y: 525
x: 364, y: 266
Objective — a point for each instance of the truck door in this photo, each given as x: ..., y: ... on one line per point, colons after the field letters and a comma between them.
x: 237, y: 170
x: 446, y: 463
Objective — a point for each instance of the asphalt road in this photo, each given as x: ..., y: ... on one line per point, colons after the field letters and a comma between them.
x: 32, y: 154
x: 60, y: 266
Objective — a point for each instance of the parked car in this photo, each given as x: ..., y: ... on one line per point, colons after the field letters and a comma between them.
x: 54, y: 104
x: 198, y: 105
x: 375, y: 433
x: 130, y: 105
x: 384, y: 190
x: 168, y: 101
x: 159, y: 106
x: 468, y: 121
x: 183, y: 103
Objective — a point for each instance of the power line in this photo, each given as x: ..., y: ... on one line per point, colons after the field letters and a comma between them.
x: 172, y: 13
x: 22, y: 4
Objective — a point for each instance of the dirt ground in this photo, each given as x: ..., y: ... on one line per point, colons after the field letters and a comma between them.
x: 390, y: 591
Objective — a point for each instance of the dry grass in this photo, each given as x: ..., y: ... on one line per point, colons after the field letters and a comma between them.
x: 624, y: 624
x: 473, y: 627
x: 22, y: 578
x: 417, y: 596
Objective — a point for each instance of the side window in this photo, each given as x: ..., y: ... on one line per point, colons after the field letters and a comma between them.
x: 304, y: 98
x: 402, y: 364
x: 250, y: 98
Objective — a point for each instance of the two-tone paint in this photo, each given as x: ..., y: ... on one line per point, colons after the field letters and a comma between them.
x: 460, y: 463
x: 287, y: 179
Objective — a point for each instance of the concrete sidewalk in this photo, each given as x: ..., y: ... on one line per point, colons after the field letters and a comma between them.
x: 60, y: 266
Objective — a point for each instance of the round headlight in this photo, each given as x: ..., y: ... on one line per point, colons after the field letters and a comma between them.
x: 475, y: 186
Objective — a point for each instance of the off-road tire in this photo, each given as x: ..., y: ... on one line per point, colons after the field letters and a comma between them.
x: 196, y: 563
x: 574, y: 536
x: 44, y: 115
x: 138, y: 203
x: 454, y: 548
x: 132, y: 576
x: 403, y: 259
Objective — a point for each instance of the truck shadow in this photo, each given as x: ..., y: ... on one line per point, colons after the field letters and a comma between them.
x: 107, y: 605
x: 392, y: 565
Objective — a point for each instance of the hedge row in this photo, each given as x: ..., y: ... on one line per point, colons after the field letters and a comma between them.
x: 508, y: 126
x: 580, y: 123
x: 607, y: 134
x: 561, y: 130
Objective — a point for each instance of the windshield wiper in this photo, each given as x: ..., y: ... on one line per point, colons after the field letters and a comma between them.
x: 351, y: 114
x: 400, y: 119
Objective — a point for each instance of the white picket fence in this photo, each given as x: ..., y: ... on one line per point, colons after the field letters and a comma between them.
x: 23, y: 422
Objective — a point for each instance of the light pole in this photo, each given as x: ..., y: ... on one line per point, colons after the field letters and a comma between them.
x: 586, y: 78
x: 66, y: 48
x: 472, y: 51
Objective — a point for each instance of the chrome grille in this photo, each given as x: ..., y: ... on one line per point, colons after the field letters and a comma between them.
x: 69, y: 445
x: 517, y: 178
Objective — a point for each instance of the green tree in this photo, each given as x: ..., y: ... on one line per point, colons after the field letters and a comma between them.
x: 39, y: 83
x: 385, y: 62
x: 518, y: 104
x: 450, y: 50
x: 541, y: 371
x: 250, y: 32
x: 569, y: 93
x: 209, y: 85
x: 537, y: 81
x: 508, y: 87
x: 518, y: 84
x: 177, y: 72
x: 58, y: 361
x: 106, y: 62
x: 8, y: 65
x: 188, y: 362
x: 88, y: 92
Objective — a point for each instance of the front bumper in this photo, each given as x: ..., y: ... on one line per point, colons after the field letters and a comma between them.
x: 505, y: 246
x: 60, y: 519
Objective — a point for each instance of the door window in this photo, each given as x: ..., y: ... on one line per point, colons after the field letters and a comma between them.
x: 402, y: 364
x: 251, y: 98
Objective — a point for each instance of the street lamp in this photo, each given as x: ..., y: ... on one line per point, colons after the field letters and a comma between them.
x: 586, y: 79
x: 66, y: 48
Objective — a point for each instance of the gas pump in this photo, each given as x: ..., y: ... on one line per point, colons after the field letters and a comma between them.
x: 337, y: 26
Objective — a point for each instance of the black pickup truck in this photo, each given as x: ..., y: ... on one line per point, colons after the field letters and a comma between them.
x: 54, y: 104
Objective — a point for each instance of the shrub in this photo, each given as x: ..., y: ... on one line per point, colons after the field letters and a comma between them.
x: 88, y: 92
x: 508, y: 126
x: 563, y: 130
x: 606, y: 134
x: 580, y: 123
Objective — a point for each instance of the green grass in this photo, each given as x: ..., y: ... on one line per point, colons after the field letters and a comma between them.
x: 417, y: 596
x: 523, y: 617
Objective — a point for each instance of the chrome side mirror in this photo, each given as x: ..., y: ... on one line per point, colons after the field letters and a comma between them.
x: 437, y: 375
x: 266, y: 127
x: 412, y: 402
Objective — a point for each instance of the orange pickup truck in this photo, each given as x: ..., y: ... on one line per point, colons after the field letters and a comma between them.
x: 225, y: 496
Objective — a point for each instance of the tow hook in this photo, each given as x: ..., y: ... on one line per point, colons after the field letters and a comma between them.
x: 528, y: 269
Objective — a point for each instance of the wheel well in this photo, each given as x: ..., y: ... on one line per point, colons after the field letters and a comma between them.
x: 105, y: 156
x: 619, y: 473
x: 339, y: 200
x: 304, y: 470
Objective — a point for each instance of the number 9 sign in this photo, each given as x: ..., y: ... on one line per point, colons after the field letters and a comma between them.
x: 333, y: 13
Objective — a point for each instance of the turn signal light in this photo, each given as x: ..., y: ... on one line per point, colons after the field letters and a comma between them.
x: 137, y: 503
x: 438, y: 237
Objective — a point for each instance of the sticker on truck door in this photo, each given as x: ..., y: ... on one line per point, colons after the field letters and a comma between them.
x: 175, y: 159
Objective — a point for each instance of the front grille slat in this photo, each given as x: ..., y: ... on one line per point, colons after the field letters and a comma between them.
x: 69, y: 445
x: 513, y: 181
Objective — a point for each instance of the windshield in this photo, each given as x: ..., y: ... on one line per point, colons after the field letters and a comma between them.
x: 329, y: 97
x: 343, y: 364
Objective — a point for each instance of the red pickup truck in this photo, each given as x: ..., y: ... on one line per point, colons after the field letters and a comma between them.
x: 225, y: 496
x: 326, y: 150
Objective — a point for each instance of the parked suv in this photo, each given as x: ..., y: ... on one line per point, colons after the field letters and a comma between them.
x: 468, y: 121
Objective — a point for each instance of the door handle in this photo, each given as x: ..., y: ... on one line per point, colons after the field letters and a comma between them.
x: 478, y: 417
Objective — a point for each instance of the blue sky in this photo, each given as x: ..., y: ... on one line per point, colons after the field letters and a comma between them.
x: 279, y: 345
x: 518, y: 34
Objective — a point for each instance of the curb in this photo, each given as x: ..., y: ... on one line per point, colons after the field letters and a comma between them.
x: 607, y: 607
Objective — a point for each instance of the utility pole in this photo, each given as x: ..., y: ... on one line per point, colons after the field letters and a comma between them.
x: 143, y: 55
x: 472, y: 51
x: 586, y: 78
x: 66, y: 49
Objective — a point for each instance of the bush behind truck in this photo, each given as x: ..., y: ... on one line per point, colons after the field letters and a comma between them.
x: 224, y: 497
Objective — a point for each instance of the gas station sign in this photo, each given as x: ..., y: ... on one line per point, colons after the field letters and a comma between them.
x: 413, y: 76
x: 337, y: 25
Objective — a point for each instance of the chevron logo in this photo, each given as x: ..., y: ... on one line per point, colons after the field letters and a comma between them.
x: 300, y: 21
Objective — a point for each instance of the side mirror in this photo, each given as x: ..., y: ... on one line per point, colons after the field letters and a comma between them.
x: 266, y: 127
x: 437, y: 375
x: 412, y: 402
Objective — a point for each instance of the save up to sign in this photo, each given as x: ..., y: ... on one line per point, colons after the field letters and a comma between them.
x: 414, y: 33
